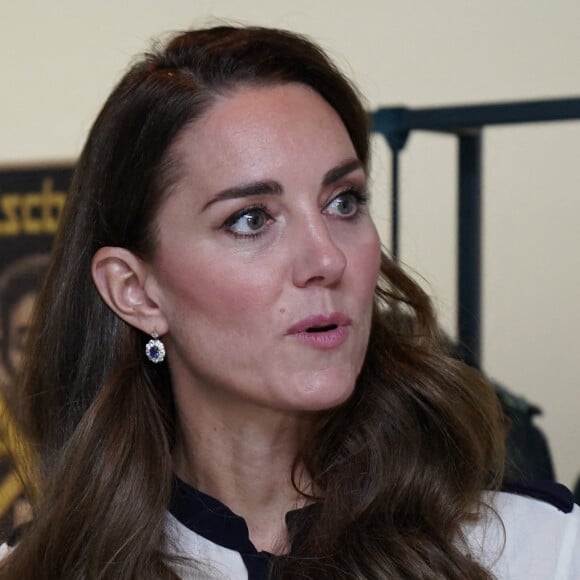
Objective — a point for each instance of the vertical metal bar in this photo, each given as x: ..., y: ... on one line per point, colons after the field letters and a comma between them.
x: 395, y: 204
x: 388, y: 121
x: 469, y: 247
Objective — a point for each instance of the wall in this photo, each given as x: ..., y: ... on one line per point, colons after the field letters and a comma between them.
x: 59, y: 60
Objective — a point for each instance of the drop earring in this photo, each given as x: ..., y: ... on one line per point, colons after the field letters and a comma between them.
x: 155, y: 349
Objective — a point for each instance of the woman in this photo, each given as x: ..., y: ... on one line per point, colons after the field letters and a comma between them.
x: 19, y: 285
x: 217, y: 385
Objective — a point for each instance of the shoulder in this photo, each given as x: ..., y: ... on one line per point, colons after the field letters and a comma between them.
x: 526, y: 513
x: 531, y: 533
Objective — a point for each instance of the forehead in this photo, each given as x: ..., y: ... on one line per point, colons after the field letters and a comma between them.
x: 259, y: 130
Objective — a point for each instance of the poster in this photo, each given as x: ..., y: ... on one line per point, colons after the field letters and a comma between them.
x: 31, y: 203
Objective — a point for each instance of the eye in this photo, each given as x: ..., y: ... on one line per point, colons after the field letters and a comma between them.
x: 249, y: 221
x: 346, y: 204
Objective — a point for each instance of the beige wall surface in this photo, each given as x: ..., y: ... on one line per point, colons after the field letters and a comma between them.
x: 59, y: 60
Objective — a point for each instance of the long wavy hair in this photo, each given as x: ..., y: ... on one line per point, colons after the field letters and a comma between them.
x: 399, y: 468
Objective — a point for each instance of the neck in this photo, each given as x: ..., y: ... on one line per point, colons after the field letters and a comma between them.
x: 246, y: 462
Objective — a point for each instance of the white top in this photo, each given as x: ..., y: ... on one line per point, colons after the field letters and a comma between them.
x: 540, y: 542
x: 533, y: 541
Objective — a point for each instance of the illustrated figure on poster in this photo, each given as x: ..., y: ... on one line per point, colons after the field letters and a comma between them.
x: 19, y: 286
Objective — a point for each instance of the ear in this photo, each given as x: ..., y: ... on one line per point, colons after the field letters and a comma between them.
x: 121, y: 280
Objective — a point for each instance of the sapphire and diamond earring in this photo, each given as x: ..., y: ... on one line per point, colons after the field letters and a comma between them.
x: 155, y: 349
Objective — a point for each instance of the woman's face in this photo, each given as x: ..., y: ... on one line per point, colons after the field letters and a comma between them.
x: 267, y: 259
x: 18, y: 326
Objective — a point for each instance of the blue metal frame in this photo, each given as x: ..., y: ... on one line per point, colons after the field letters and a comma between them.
x: 467, y: 123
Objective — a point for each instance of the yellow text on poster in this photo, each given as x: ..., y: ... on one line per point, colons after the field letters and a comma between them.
x: 31, y: 213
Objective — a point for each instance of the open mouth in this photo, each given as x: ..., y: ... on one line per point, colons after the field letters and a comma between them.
x: 313, y: 329
x: 321, y: 325
x: 322, y: 336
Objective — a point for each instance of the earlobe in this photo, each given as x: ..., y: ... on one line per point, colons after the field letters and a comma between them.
x: 120, y: 278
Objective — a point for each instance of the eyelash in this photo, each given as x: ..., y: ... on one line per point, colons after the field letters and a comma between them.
x: 359, y: 196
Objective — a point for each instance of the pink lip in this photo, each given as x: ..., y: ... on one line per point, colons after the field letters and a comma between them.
x: 323, y: 339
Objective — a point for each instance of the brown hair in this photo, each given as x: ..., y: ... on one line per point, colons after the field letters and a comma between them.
x: 400, y: 466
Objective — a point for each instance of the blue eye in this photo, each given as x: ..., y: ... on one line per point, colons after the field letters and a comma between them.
x: 249, y: 221
x: 346, y: 204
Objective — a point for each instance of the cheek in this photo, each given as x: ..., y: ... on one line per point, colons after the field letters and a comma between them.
x: 366, y: 260
x: 216, y: 288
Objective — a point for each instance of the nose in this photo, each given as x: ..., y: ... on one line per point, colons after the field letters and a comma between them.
x: 318, y: 260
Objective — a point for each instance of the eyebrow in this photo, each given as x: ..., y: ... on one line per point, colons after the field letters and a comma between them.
x: 271, y: 187
x: 341, y: 171
x: 247, y: 190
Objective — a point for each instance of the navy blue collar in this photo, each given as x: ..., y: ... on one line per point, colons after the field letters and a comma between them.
x: 210, y: 518
x: 213, y: 520
x: 550, y: 492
